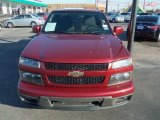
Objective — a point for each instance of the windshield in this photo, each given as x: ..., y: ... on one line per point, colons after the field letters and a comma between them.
x: 40, y: 14
x: 124, y: 13
x: 111, y: 13
x: 144, y: 14
x: 35, y: 15
x: 152, y: 19
x: 72, y: 22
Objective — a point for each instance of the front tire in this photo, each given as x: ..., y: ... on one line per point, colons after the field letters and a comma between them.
x: 10, y: 25
x: 33, y: 24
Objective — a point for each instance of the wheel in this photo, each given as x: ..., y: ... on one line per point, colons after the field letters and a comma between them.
x: 10, y: 25
x: 33, y: 24
x: 113, y: 20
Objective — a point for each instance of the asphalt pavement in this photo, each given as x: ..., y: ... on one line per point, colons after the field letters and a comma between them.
x: 144, y: 105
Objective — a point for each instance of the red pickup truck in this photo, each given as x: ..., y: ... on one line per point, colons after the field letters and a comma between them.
x: 76, y: 62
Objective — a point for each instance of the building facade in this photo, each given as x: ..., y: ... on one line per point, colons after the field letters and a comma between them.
x: 52, y: 7
x: 24, y: 6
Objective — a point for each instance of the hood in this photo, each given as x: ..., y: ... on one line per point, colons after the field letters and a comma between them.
x: 7, y: 19
x: 75, y: 48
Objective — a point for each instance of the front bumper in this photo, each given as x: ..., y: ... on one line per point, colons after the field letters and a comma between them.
x: 119, y: 20
x: 40, y: 22
x: 146, y: 34
x: 58, y: 103
x: 76, y: 98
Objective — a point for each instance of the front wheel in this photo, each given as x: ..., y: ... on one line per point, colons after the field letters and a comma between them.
x: 33, y: 24
x: 113, y: 20
x: 10, y: 25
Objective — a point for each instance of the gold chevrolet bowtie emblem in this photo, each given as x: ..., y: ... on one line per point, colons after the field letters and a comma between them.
x: 76, y: 74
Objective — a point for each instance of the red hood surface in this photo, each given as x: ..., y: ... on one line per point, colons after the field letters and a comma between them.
x: 75, y: 48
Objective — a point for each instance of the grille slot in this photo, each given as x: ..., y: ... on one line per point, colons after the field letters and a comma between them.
x: 89, y: 67
x: 76, y: 80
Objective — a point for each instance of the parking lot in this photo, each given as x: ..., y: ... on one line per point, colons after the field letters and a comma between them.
x: 144, y: 105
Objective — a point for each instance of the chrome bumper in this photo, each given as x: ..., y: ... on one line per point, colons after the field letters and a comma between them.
x: 76, y: 103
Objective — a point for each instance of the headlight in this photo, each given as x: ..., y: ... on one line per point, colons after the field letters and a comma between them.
x: 120, y: 78
x: 29, y: 62
x: 122, y: 63
x: 31, y: 78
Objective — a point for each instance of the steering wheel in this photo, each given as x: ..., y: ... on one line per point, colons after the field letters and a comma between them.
x: 92, y: 28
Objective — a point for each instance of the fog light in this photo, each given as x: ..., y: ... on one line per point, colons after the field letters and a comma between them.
x: 123, y: 99
x: 31, y: 78
x: 120, y: 78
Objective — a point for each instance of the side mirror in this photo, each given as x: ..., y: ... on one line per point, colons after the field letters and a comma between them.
x: 36, y: 29
x: 118, y: 30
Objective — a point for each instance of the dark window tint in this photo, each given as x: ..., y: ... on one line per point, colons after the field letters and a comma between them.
x: 28, y: 16
x: 19, y: 17
x: 40, y: 14
x: 77, y: 23
x: 147, y: 19
x: 144, y: 14
x: 109, y: 14
x: 125, y: 13
x: 35, y: 15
